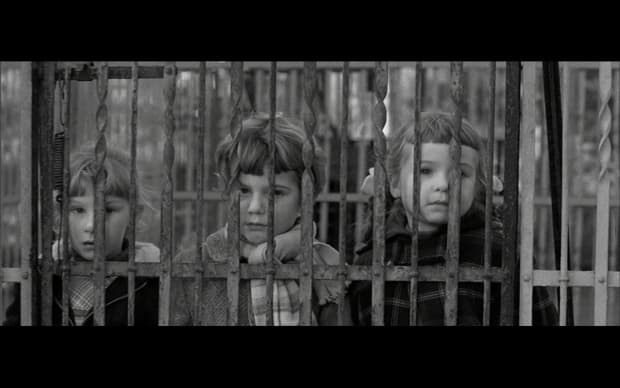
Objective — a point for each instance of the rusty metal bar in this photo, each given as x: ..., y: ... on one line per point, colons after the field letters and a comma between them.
x: 564, y: 205
x: 342, y: 220
x: 307, y: 236
x: 413, y: 285
x: 29, y: 207
x: 555, y: 133
x: 602, y: 199
x: 328, y: 148
x: 66, y: 256
x: 527, y: 191
x: 167, y: 203
x: 488, y: 208
x: 511, y: 179
x: 270, y: 270
x: 200, y: 174
x: 236, y: 94
x: 454, y: 207
x: 133, y: 198
x: 45, y: 124
x: 99, y: 184
x: 378, y: 248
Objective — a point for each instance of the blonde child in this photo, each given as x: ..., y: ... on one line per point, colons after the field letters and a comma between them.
x: 434, y: 135
x: 82, y: 234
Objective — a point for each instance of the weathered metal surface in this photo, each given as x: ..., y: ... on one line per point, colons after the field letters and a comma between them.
x: 271, y: 204
x: 527, y: 192
x: 556, y: 150
x: 379, y: 118
x: 167, y: 203
x: 488, y: 206
x: 236, y: 93
x: 328, y: 150
x: 213, y: 270
x: 65, y: 107
x: 454, y: 207
x: 99, y: 185
x: 413, y: 284
x: 45, y: 123
x: 601, y: 263
x: 511, y: 179
x: 342, y: 219
x: 133, y: 198
x: 564, y: 204
x: 307, y: 193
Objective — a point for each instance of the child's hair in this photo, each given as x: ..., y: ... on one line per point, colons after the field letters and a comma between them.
x: 437, y: 127
x: 117, y: 170
x: 248, y: 152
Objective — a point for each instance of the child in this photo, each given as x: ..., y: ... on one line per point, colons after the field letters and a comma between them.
x: 242, y: 165
x: 434, y: 135
x: 81, y: 236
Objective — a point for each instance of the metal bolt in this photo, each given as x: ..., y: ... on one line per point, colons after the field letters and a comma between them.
x: 25, y: 275
x: 526, y: 278
x: 601, y: 279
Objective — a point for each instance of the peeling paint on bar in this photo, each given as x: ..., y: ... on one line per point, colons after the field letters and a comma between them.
x: 413, y: 286
x: 511, y: 178
x: 236, y: 92
x: 454, y: 179
x: 99, y: 184
x: 167, y: 203
x: 342, y: 219
x: 379, y: 118
x: 65, y: 108
x: 131, y: 268
x: 486, y: 314
x: 307, y: 192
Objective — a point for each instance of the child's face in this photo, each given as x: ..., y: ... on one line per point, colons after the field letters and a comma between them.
x: 82, y: 227
x: 434, y: 189
x: 254, y: 197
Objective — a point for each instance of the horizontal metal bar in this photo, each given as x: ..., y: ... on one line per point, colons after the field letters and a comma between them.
x: 156, y: 71
x: 551, y: 278
x: 290, y: 271
x: 11, y: 275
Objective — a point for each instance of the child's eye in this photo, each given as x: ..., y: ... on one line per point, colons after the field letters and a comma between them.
x: 110, y: 209
x: 244, y: 190
x: 279, y: 192
x: 425, y: 170
x: 76, y: 210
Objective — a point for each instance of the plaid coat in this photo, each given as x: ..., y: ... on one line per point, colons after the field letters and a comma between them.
x: 431, y: 295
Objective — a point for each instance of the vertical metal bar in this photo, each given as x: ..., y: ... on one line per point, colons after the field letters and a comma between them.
x: 324, y: 207
x: 602, y: 199
x: 564, y: 204
x: 269, y: 270
x: 259, y: 87
x: 29, y: 207
x: 342, y: 220
x: 511, y: 178
x: 66, y: 264
x: 99, y: 184
x: 454, y: 224
x: 527, y: 191
x: 378, y: 248
x: 131, y: 266
x: 413, y: 286
x: 200, y: 174
x: 553, y: 113
x: 488, y: 206
x: 2, y: 254
x: 293, y: 98
x: 236, y: 93
x: 167, y: 203
x: 46, y: 123
x: 307, y: 237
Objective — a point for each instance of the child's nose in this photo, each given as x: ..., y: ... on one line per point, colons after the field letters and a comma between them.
x: 89, y: 222
x: 441, y: 181
x: 257, y: 204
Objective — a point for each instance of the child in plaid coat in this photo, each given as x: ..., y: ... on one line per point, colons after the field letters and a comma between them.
x: 434, y: 136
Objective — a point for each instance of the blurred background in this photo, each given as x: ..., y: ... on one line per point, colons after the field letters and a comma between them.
x: 582, y: 127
